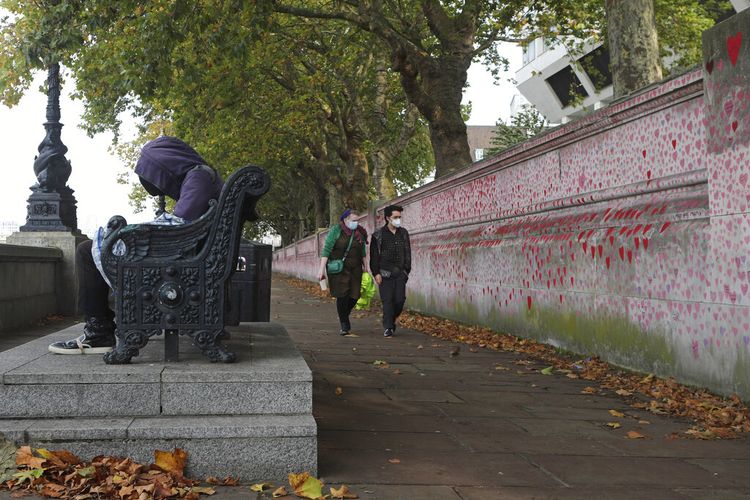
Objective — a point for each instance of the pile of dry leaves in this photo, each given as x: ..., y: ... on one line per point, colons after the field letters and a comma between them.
x: 714, y: 417
x: 60, y: 474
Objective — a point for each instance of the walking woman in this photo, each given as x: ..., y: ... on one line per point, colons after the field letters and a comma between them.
x: 343, y: 261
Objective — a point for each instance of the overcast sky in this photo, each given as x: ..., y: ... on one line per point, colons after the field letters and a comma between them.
x: 95, y: 170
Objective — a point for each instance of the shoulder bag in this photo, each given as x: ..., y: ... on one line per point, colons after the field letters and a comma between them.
x: 335, y: 266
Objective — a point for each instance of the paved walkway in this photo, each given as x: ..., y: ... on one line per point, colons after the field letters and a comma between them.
x: 435, y: 424
x: 459, y: 428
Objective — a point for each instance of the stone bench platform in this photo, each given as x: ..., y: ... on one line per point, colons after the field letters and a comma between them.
x: 251, y: 419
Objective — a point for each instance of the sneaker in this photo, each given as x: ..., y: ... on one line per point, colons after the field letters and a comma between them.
x: 345, y: 328
x: 98, y: 338
x: 388, y: 332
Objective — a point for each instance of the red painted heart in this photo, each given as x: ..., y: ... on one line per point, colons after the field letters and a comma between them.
x: 710, y: 67
x: 733, y: 47
x: 674, y: 143
x: 734, y: 126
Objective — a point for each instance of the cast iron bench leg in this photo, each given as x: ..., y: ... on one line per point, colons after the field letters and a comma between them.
x: 171, y: 346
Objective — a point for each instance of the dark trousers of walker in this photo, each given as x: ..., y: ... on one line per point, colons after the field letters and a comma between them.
x: 393, y: 296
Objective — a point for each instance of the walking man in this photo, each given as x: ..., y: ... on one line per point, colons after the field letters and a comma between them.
x: 390, y: 263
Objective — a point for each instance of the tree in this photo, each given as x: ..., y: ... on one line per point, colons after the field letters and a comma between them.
x: 646, y: 38
x: 432, y: 45
x: 300, y: 98
x: 523, y: 126
x: 633, y: 45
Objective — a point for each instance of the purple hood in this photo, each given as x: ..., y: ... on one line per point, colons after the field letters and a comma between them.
x: 169, y: 164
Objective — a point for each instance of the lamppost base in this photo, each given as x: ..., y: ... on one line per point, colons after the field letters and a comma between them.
x: 51, y: 211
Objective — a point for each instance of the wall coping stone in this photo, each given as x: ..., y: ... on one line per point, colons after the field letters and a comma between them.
x: 22, y: 253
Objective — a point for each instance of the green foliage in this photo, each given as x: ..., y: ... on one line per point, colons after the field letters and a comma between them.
x: 680, y: 23
x: 679, y: 26
x: 523, y: 126
x: 241, y: 84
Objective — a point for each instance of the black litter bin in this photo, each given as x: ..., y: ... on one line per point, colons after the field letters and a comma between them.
x: 250, y: 288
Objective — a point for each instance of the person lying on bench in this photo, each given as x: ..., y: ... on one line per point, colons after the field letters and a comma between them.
x: 166, y: 166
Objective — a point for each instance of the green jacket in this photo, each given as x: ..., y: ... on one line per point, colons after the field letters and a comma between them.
x: 333, y: 235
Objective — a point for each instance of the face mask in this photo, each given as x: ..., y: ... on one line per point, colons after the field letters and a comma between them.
x: 352, y: 225
x: 396, y: 222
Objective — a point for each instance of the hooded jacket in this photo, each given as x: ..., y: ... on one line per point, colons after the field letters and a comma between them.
x: 178, y: 171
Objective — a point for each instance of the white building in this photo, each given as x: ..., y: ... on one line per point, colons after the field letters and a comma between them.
x: 562, y: 90
x: 563, y: 86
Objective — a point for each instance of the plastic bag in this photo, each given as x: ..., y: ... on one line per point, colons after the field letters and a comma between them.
x: 366, y: 292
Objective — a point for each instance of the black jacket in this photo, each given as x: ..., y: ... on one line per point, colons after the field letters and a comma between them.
x: 379, y: 239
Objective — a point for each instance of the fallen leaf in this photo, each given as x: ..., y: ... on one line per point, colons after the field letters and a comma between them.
x: 24, y: 456
x: 7, y: 460
x: 202, y: 490
x: 394, y: 460
x: 339, y: 391
x: 572, y: 375
x: 473, y: 350
x: 28, y: 474
x: 635, y: 435
x: 623, y: 392
x: 397, y: 371
x: 614, y: 425
x: 500, y: 367
x: 306, y: 486
x: 616, y: 413
x: 53, y: 490
x: 86, y: 471
x: 380, y: 363
x: 261, y: 486
x: 279, y: 492
x: 644, y: 422
x: 342, y: 492
x: 171, y: 461
x: 420, y: 346
x: 547, y: 371
x: 589, y: 390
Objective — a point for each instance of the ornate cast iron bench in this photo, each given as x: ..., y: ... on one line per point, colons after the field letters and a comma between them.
x: 175, y: 278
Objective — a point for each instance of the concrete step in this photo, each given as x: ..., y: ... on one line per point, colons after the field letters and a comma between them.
x: 269, y: 377
x: 250, y: 419
x: 252, y: 447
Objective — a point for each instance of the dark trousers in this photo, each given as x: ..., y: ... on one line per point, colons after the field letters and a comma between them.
x: 93, y: 291
x: 393, y: 296
x: 344, y: 306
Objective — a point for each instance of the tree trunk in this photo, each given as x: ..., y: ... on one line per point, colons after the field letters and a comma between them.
x: 335, y: 204
x: 384, y: 188
x: 435, y: 87
x: 319, y: 201
x: 633, y: 45
x: 358, y: 193
x: 450, y: 143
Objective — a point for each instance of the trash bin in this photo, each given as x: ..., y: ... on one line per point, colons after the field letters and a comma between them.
x: 250, y: 287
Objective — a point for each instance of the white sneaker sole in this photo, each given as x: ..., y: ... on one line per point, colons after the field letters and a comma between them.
x: 88, y: 350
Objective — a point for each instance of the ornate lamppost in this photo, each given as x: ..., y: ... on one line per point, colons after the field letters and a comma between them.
x: 51, y: 211
x: 51, y: 205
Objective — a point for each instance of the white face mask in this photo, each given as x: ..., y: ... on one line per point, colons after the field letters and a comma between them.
x: 352, y: 224
x: 396, y: 222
